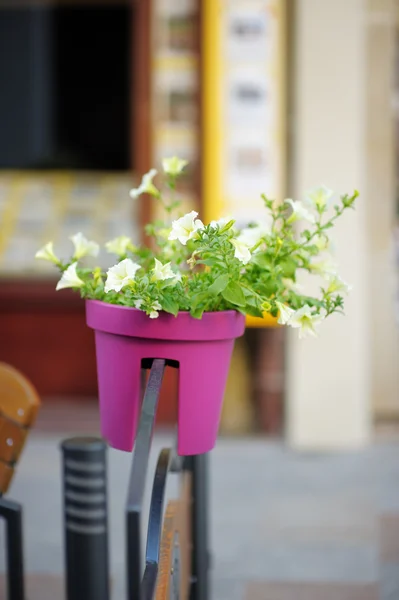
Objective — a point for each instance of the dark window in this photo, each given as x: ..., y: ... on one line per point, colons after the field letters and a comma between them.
x: 65, y: 88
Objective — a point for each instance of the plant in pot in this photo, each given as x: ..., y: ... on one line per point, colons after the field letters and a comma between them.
x: 184, y: 298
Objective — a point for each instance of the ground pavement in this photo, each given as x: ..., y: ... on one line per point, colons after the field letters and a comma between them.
x: 284, y: 526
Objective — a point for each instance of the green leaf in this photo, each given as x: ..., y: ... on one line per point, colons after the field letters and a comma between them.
x: 228, y: 226
x: 261, y: 259
x: 288, y: 267
x: 267, y: 201
x: 248, y: 293
x: 234, y: 294
x: 253, y: 311
x: 197, y: 312
x: 253, y: 301
x: 169, y: 305
x: 328, y: 225
x: 207, y: 261
x: 219, y: 285
x: 198, y: 298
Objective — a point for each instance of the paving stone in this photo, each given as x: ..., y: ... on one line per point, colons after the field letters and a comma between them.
x: 310, y: 591
x: 300, y: 562
x: 389, y: 537
x: 39, y: 587
x: 389, y: 578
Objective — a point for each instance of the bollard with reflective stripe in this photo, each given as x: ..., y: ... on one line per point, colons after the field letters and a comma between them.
x: 85, y: 519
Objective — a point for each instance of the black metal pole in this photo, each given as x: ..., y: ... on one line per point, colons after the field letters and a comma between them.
x: 12, y: 514
x: 200, y: 588
x: 138, y: 474
x: 85, y: 519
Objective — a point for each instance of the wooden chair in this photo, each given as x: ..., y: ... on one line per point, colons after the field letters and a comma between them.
x: 19, y: 404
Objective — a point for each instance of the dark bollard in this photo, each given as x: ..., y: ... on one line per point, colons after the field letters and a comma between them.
x: 85, y: 519
x: 12, y: 514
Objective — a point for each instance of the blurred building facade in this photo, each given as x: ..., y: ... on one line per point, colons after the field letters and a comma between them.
x: 270, y: 96
x: 344, y: 73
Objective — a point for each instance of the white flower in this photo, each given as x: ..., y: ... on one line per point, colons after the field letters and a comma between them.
x: 173, y: 166
x: 162, y: 272
x: 241, y: 251
x: 252, y: 235
x: 121, y: 275
x: 185, y: 228
x: 83, y: 247
x: 321, y: 242
x: 291, y: 285
x: 154, y: 314
x: 220, y: 222
x: 70, y: 278
x: 138, y: 303
x: 146, y: 186
x: 285, y: 313
x: 299, y: 211
x: 336, y: 284
x: 325, y: 268
x: 119, y: 245
x: 320, y: 197
x: 305, y: 321
x: 47, y: 253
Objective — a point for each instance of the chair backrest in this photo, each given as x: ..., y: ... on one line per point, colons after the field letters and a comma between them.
x: 19, y: 405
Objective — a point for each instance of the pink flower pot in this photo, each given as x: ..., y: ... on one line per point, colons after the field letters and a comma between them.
x: 126, y: 336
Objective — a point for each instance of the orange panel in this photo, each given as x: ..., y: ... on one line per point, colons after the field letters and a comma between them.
x: 12, y: 440
x: 6, y: 473
x: 18, y: 398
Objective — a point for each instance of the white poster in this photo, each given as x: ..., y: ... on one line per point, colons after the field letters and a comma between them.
x: 251, y: 106
x: 248, y: 34
x: 249, y: 98
x: 249, y: 168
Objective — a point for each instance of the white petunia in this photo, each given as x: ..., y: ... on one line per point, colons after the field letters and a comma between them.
x: 325, y: 268
x: 336, y: 284
x: 220, y: 222
x: 306, y: 321
x: 174, y: 166
x: 285, y: 313
x: 162, y: 272
x: 121, y: 275
x: 47, y: 253
x: 320, y: 197
x: 241, y: 251
x: 299, y: 211
x: 321, y: 242
x: 70, y: 278
x: 154, y: 314
x: 146, y: 186
x: 291, y: 285
x: 138, y: 303
x: 119, y: 245
x: 186, y: 228
x: 83, y: 247
x: 252, y: 235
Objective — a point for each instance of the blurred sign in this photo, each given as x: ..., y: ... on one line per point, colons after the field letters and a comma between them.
x: 38, y: 207
x: 244, y: 106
